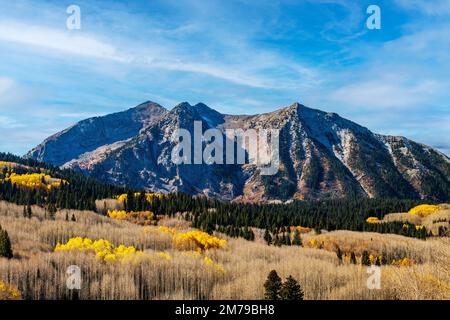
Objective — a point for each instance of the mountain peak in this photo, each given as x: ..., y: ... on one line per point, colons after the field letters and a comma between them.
x: 201, y: 105
x: 200, y: 111
x: 322, y: 155
x: 90, y: 134
x: 147, y: 105
x: 183, y: 106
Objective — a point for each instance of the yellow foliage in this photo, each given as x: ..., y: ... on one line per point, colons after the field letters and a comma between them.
x: 419, y: 227
x: 301, y: 229
x: 165, y: 255
x: 405, y: 262
x: 165, y: 229
x: 373, y: 220
x: 140, y: 217
x: 206, y: 260
x: 209, y: 262
x: 8, y: 164
x: 103, y: 249
x: 117, y: 214
x: 424, y: 210
x: 148, y: 196
x: 200, y: 240
x: 194, y: 243
x: 34, y: 180
x: 313, y: 243
x: 8, y: 292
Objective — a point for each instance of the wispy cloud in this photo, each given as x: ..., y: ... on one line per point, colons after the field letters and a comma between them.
x: 238, y: 56
x: 9, y: 123
x: 60, y: 41
x: 5, y: 85
x: 434, y: 7
x: 388, y: 93
x: 69, y: 43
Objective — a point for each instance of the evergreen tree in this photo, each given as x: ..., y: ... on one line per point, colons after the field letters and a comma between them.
x: 129, y: 204
x: 104, y: 210
x: 277, y: 241
x: 272, y: 286
x: 297, y: 239
x: 29, y: 212
x: 291, y: 290
x: 283, y: 239
x: 52, y: 211
x: 353, y: 258
x: 365, y: 259
x: 5, y: 244
x: 288, y: 239
x: 339, y: 254
x: 378, y: 262
x: 267, y: 237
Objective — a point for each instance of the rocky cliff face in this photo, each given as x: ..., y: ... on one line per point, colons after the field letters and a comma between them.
x: 93, y: 133
x: 321, y: 156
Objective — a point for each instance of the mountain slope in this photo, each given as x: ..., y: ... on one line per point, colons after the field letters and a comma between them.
x: 321, y: 156
x: 87, y: 135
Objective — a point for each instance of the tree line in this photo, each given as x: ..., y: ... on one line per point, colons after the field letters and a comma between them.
x: 233, y: 219
x: 78, y: 192
x: 340, y: 214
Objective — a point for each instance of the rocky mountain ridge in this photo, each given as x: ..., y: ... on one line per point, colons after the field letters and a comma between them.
x: 322, y: 155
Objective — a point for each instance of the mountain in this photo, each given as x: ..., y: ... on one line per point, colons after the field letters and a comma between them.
x: 90, y: 134
x: 321, y: 156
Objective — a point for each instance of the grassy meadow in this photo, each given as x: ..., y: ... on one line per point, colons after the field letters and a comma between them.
x: 235, y: 271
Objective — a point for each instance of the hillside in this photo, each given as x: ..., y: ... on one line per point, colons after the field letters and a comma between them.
x: 28, y: 182
x: 139, y: 245
x: 322, y: 156
x: 163, y: 268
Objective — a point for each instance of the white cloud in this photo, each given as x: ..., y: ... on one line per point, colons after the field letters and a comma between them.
x: 85, y: 45
x: 9, y: 123
x: 5, y: 86
x: 386, y: 93
x: 429, y: 7
x: 64, y: 42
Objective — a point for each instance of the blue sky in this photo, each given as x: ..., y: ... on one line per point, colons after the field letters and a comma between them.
x: 241, y: 57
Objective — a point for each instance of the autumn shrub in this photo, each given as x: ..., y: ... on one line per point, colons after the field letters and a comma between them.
x: 424, y: 210
x: 373, y: 220
x: 34, y: 180
x: 195, y: 243
x: 195, y: 239
x: 7, y: 164
x: 138, y: 217
x: 301, y: 229
x: 102, y: 249
x: 9, y: 292
x: 122, y: 198
x: 405, y: 262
